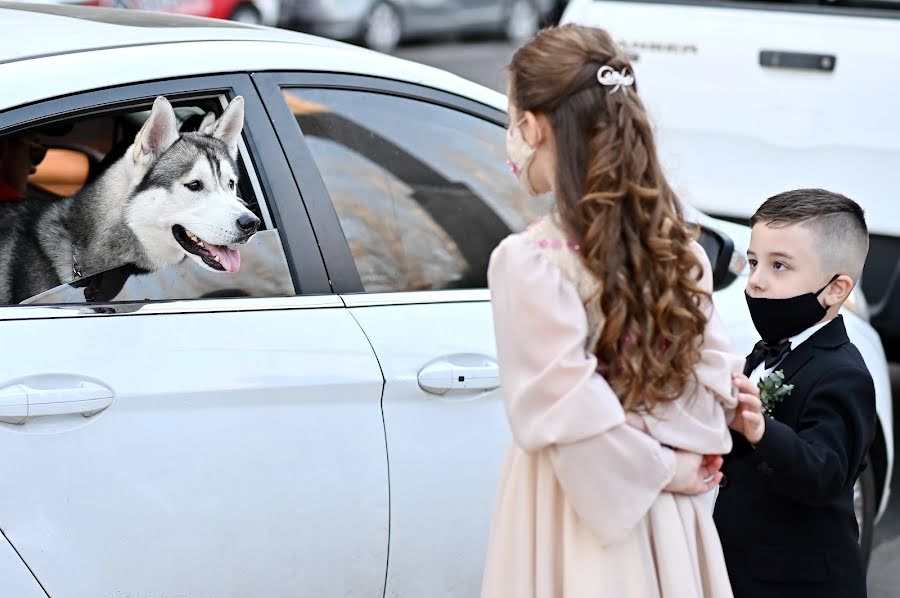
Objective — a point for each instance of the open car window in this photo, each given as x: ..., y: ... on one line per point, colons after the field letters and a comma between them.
x: 86, y: 211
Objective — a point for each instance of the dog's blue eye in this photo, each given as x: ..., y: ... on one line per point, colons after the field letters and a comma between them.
x: 194, y: 186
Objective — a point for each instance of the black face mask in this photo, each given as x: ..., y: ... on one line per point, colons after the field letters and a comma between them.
x: 780, y: 319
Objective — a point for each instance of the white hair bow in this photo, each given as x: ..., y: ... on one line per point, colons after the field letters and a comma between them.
x: 608, y: 77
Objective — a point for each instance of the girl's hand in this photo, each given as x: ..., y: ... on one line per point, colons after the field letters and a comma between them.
x: 695, y: 474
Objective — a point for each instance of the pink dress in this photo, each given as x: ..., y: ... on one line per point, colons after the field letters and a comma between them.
x: 580, y: 509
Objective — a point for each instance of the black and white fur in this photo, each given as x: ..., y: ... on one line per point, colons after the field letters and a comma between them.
x: 169, y: 197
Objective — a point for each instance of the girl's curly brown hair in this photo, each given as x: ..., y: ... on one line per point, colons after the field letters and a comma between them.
x: 612, y: 197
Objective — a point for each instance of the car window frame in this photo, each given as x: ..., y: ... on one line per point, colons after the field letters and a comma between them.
x: 339, y: 262
x: 264, y: 159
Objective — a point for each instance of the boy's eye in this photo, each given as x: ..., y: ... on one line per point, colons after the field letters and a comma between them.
x: 752, y: 263
x: 779, y: 266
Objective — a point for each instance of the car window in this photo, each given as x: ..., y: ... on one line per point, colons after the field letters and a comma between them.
x: 422, y: 191
x: 73, y: 226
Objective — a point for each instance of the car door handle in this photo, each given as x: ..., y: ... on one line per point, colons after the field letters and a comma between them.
x: 26, y: 400
x: 459, y: 372
x: 13, y: 404
x: 797, y: 60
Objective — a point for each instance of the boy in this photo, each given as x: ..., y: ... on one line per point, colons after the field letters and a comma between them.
x: 785, y: 507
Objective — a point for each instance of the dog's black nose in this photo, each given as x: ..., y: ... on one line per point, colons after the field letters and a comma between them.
x: 248, y: 223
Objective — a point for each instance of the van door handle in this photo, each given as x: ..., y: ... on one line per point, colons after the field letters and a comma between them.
x: 23, y: 401
x: 459, y: 372
x: 797, y: 60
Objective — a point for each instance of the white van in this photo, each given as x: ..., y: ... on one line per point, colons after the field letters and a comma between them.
x: 754, y: 98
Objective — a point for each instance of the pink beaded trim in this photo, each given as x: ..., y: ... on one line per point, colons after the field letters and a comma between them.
x: 557, y: 244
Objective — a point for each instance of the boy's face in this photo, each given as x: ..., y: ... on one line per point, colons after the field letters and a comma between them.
x: 784, y: 262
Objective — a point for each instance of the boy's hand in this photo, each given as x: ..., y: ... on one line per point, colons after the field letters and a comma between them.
x: 695, y: 474
x: 748, y: 421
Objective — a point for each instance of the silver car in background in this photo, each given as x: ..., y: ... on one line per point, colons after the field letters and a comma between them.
x: 382, y: 24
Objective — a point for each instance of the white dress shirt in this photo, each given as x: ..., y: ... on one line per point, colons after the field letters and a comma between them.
x: 762, y: 371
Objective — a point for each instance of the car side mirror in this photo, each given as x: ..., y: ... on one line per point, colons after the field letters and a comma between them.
x: 719, y: 249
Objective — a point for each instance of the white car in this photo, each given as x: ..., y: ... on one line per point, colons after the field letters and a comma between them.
x: 326, y: 422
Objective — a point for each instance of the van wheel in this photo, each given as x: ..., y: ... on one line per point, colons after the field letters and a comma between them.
x: 523, y: 22
x: 246, y: 14
x: 864, y: 506
x: 383, y: 29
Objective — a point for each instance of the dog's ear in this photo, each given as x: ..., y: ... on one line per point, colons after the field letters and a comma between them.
x: 158, y: 133
x: 228, y: 126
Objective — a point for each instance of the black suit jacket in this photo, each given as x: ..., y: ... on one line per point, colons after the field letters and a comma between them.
x: 785, y: 509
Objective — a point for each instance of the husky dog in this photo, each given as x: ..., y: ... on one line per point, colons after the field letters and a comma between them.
x: 169, y: 197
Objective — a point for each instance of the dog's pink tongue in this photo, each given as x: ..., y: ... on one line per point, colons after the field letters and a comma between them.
x: 229, y: 258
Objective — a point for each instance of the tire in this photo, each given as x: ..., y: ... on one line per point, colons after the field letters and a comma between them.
x: 864, y: 505
x: 523, y: 21
x: 383, y: 29
x: 246, y: 13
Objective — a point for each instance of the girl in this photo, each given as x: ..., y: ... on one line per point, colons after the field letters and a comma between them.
x: 616, y: 372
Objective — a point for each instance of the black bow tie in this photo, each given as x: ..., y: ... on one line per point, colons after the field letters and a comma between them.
x: 771, y: 355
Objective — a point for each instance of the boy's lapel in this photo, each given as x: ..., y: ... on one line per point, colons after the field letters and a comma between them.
x: 830, y: 336
x: 795, y: 360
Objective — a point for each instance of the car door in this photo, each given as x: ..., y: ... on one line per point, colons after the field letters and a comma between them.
x: 414, y: 187
x: 416, y: 190
x: 224, y: 440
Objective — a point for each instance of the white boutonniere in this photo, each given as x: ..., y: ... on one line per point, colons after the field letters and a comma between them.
x: 772, y: 390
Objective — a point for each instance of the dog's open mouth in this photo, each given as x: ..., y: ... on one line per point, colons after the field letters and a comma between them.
x: 217, y: 257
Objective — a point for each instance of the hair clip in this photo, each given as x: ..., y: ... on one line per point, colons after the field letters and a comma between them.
x: 608, y: 77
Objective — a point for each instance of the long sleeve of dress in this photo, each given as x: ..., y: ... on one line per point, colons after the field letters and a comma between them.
x: 556, y: 401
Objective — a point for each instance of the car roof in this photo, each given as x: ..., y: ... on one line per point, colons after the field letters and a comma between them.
x: 86, y: 48
x: 33, y: 30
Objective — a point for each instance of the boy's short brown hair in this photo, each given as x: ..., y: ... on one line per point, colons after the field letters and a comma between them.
x: 838, y: 223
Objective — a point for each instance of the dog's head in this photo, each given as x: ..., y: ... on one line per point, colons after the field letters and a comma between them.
x: 186, y: 202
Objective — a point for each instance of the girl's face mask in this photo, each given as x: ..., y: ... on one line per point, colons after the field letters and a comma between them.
x: 520, y: 155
